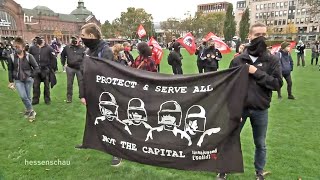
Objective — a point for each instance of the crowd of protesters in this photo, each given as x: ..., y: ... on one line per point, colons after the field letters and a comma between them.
x: 29, y: 65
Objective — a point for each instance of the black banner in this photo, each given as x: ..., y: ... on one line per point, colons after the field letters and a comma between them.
x: 188, y: 122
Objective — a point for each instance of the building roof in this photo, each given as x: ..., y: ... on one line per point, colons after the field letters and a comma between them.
x: 81, y: 9
x: 63, y: 17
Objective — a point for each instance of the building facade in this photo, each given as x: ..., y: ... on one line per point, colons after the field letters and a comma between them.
x: 284, y: 18
x: 213, y: 7
x: 16, y: 21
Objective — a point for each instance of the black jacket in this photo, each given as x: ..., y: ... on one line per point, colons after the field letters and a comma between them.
x: 212, y: 57
x: 102, y: 51
x: 266, y: 79
x: 199, y: 52
x: 129, y: 56
x: 45, y: 57
x: 73, y: 55
x: 29, y: 67
x: 176, y: 58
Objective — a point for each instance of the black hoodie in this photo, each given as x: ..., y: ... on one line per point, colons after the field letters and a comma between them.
x: 266, y: 79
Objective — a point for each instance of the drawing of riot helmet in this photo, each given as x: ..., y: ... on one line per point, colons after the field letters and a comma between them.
x: 170, y: 115
x: 108, y: 106
x: 196, y: 119
x: 136, y: 111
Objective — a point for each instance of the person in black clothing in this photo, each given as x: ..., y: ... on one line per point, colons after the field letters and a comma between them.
x: 2, y: 58
x: 127, y: 48
x: 264, y: 77
x: 175, y: 59
x: 47, y: 61
x: 170, y: 45
x: 21, y: 66
x: 212, y: 56
x: 71, y: 59
x: 286, y: 63
x: 199, y: 53
x: 315, y: 52
x: 92, y: 38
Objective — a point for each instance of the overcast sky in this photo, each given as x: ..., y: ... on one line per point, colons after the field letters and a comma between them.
x: 111, y: 9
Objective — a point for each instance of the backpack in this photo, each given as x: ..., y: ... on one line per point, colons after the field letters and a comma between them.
x: 170, y: 60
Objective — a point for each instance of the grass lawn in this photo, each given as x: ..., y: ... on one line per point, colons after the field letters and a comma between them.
x: 293, y: 136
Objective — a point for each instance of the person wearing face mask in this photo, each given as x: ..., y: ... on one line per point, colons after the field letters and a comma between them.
x: 200, y: 59
x: 127, y: 49
x: 264, y: 77
x: 47, y: 61
x: 175, y: 59
x: 212, y: 56
x: 71, y: 59
x: 21, y: 66
x: 286, y: 63
x: 91, y: 37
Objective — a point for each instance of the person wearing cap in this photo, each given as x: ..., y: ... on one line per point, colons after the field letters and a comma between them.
x: 71, y: 59
x: 199, y: 52
x: 175, y: 59
x: 47, y: 61
x: 315, y: 52
x: 300, y: 53
x: 212, y: 56
x: 286, y: 64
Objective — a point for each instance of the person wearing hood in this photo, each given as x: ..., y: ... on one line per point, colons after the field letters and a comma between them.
x: 286, y: 63
x: 264, y: 77
x: 300, y: 53
x: 47, y: 61
x: 175, y: 59
x: 212, y: 56
x: 315, y: 52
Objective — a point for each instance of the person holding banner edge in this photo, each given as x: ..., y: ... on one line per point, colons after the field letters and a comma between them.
x: 264, y: 77
x: 92, y: 38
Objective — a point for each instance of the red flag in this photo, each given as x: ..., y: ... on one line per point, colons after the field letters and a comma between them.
x: 211, y: 36
x: 276, y: 47
x: 157, y: 50
x: 219, y: 44
x: 141, y: 31
x: 188, y: 42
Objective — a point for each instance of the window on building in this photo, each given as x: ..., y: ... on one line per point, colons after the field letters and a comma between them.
x: 261, y: 6
x: 264, y: 15
x: 284, y: 22
x: 257, y: 15
x: 293, y: 11
x: 268, y: 14
x: 290, y: 11
x: 275, y: 22
x: 258, y: 7
x: 301, y: 20
x: 280, y: 13
x: 285, y: 4
x: 281, y: 5
x: 269, y: 5
x: 273, y: 5
x: 272, y: 14
x: 303, y: 11
x: 277, y: 13
x: 265, y: 6
x: 260, y: 15
x: 298, y: 12
x: 285, y: 13
x: 278, y: 5
x: 279, y: 22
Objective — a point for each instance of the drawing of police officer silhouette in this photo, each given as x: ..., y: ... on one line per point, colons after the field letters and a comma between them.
x: 170, y: 125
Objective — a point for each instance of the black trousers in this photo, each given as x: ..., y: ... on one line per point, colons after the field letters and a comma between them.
x: 43, y: 76
x: 201, y: 66
x: 4, y: 63
x: 316, y: 61
x: 177, y: 69
x: 288, y: 79
x: 210, y: 69
x: 71, y: 72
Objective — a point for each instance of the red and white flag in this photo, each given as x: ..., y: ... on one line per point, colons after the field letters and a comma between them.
x: 157, y: 50
x: 188, y: 42
x: 141, y: 31
x: 219, y: 44
x: 276, y: 47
